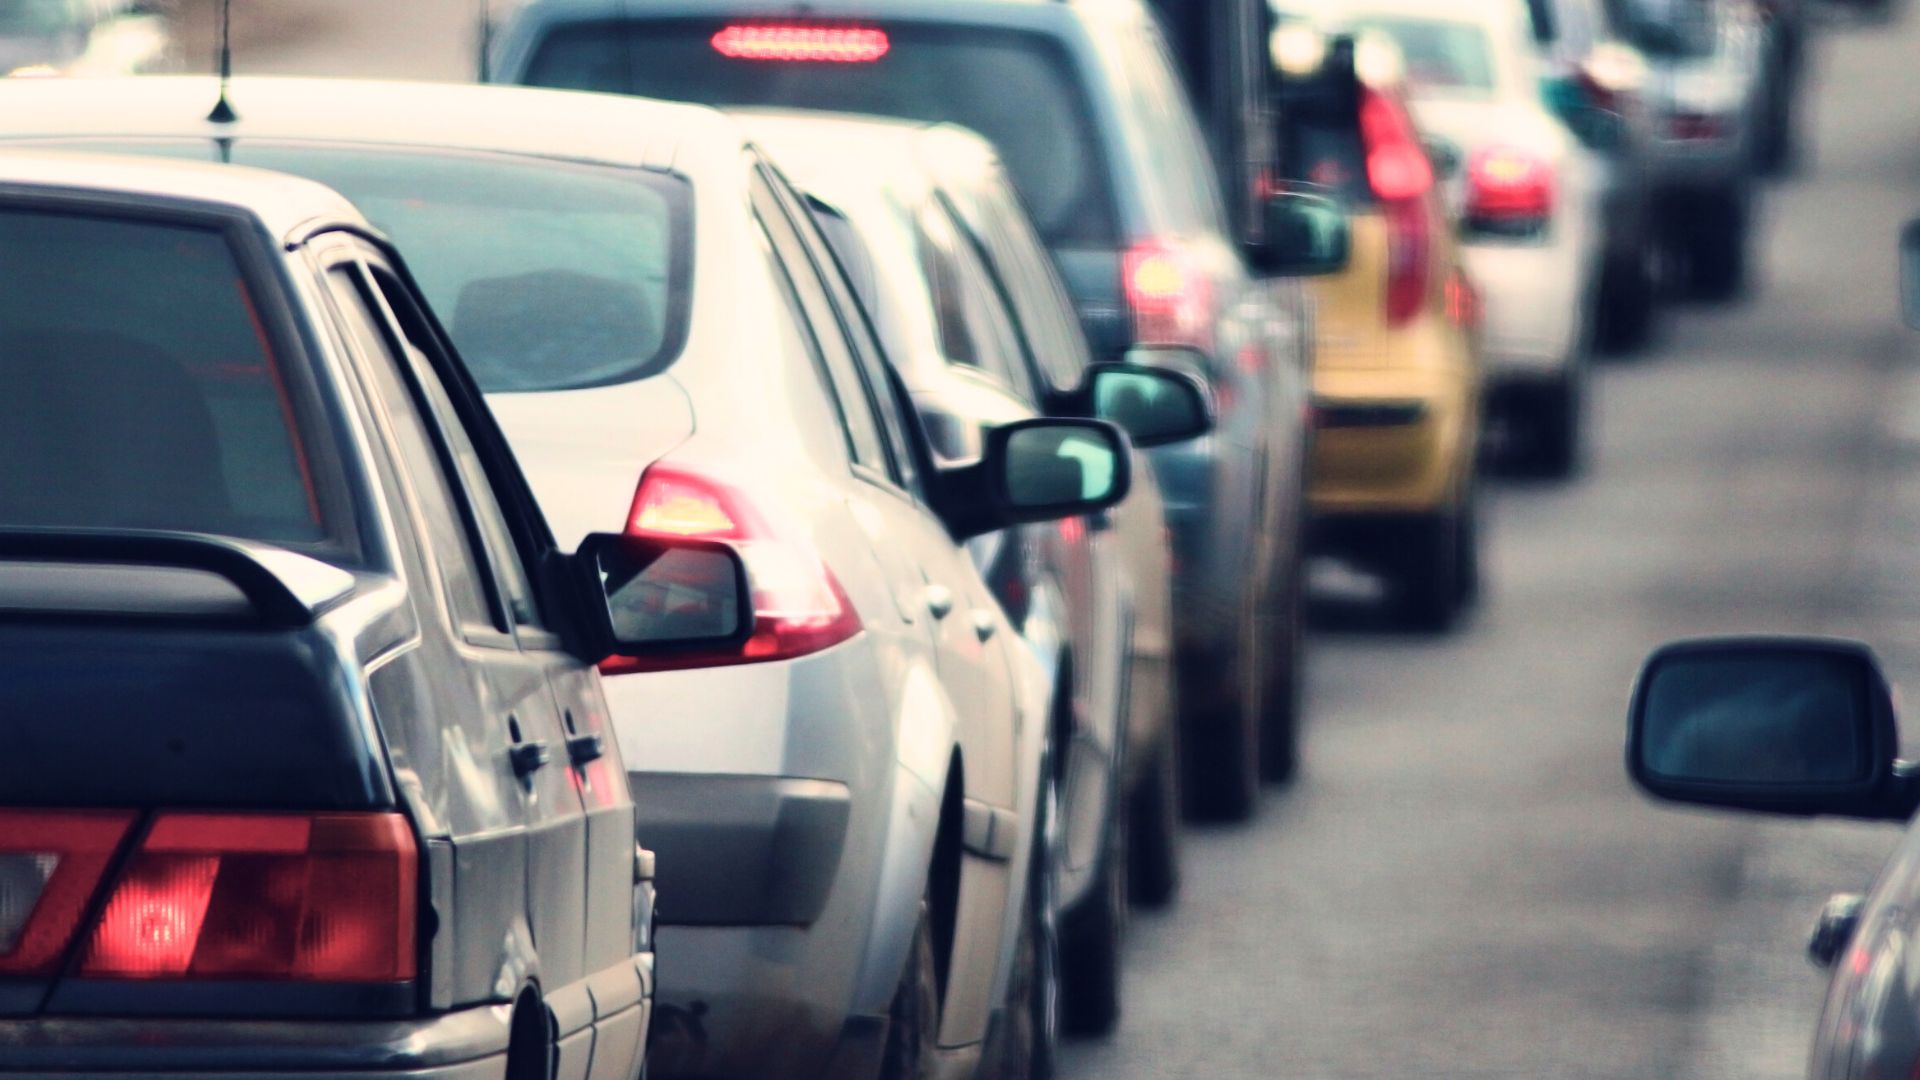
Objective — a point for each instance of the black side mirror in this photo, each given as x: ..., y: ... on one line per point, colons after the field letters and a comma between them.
x: 657, y: 597
x: 1910, y: 273
x: 1155, y: 405
x: 1036, y: 470
x: 1306, y: 234
x: 1779, y: 725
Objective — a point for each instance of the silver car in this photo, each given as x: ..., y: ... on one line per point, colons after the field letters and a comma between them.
x: 852, y: 808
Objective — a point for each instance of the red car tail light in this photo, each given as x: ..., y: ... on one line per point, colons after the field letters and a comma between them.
x: 298, y: 897
x: 1167, y: 295
x: 1509, y: 191
x: 1696, y: 126
x: 798, y: 605
x: 801, y: 43
x: 51, y: 862
x: 1401, y: 178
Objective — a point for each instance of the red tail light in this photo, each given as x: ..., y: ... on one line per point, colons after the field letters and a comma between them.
x: 798, y: 605
x: 1168, y: 296
x: 51, y: 862
x: 1691, y: 126
x: 1401, y: 177
x: 1509, y: 190
x: 298, y: 897
x: 802, y: 43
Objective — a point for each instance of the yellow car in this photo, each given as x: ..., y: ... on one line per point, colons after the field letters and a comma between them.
x: 1396, y: 377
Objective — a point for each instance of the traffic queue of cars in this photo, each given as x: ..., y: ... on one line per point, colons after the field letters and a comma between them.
x: 889, y: 402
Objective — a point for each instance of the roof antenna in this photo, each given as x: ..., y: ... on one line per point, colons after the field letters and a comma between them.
x: 486, y: 42
x: 222, y: 109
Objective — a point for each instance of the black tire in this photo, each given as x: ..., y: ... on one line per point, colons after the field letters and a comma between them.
x: 1430, y: 586
x: 1627, y: 304
x: 1717, y: 249
x: 1153, y: 830
x: 1558, y: 433
x: 1033, y: 992
x: 1222, y: 748
x: 1282, y: 703
x: 913, y: 1020
x: 1090, y: 941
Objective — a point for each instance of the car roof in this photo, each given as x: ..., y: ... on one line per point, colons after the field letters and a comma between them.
x: 283, y: 204
x: 873, y: 147
x: 1333, y: 13
x: 549, y: 123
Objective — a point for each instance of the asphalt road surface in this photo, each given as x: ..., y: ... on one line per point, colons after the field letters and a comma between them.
x: 1462, y: 884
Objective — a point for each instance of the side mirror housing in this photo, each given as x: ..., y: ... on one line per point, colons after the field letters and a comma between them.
x: 1306, y: 234
x: 1910, y: 273
x: 652, y: 598
x: 1155, y: 405
x: 1778, y: 725
x: 1036, y: 470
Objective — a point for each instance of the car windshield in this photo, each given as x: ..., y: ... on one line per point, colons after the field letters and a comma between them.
x: 139, y: 390
x: 1017, y: 89
x: 36, y: 18
x: 550, y: 275
x: 1442, y: 56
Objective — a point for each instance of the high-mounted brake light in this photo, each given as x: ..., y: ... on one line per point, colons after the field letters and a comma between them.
x: 1167, y: 295
x: 801, y: 43
x: 798, y: 605
x: 282, y: 897
x: 51, y: 862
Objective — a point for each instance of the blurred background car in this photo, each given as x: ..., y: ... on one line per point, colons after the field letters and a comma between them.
x: 1596, y: 83
x: 1707, y: 91
x: 969, y: 348
x: 1526, y: 195
x: 853, y: 809
x: 1786, y: 26
x: 346, y: 800
x: 1085, y: 108
x: 81, y: 37
x: 1397, y: 379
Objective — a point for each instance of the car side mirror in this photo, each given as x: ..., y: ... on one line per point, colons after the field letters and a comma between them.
x: 1153, y: 405
x: 1036, y: 470
x: 1910, y: 273
x: 652, y: 597
x: 1779, y: 725
x: 1306, y: 234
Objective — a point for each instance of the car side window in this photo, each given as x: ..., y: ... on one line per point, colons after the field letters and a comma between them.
x: 513, y: 578
x: 971, y: 302
x: 998, y: 228
x: 1188, y: 164
x: 466, y: 584
x: 796, y: 266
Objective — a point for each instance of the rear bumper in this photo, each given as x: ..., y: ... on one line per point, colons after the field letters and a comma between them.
x: 1389, y: 441
x: 467, y: 1045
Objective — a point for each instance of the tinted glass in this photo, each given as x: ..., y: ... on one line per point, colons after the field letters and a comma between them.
x: 1742, y: 719
x: 1441, y: 56
x: 139, y: 389
x: 35, y: 18
x: 551, y: 276
x: 1016, y: 89
x: 1672, y: 28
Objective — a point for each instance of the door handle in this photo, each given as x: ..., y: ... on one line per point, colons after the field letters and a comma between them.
x: 529, y: 758
x: 583, y: 749
x: 939, y: 601
x: 1100, y: 521
x: 984, y: 624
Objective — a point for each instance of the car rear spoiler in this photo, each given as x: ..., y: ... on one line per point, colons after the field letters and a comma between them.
x: 285, y: 589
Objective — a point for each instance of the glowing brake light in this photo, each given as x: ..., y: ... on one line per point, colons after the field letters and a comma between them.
x: 801, y: 43
x: 1401, y: 176
x: 1167, y: 295
x: 798, y: 605
x: 1509, y: 190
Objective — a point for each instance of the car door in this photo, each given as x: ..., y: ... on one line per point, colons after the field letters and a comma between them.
x: 500, y: 652
x: 582, y: 757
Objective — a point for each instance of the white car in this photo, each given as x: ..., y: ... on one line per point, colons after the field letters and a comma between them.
x: 853, y: 810
x: 1526, y: 193
x: 81, y: 37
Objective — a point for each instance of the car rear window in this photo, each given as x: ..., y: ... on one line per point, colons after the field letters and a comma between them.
x: 139, y: 388
x: 550, y: 275
x: 1667, y: 28
x: 1442, y: 55
x: 37, y: 18
x: 1018, y: 89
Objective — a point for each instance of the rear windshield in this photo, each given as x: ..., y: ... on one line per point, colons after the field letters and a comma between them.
x: 139, y: 388
x: 37, y: 18
x: 1017, y: 89
x: 550, y: 276
x: 1442, y: 56
x: 1673, y: 28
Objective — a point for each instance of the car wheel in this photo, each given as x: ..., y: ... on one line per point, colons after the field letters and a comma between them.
x: 1090, y: 941
x: 1033, y: 991
x: 1280, y: 706
x: 1558, y: 428
x: 1431, y: 585
x: 913, y: 1020
x: 1153, y: 829
x: 1222, y: 751
x: 1627, y: 304
x: 1718, y: 250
